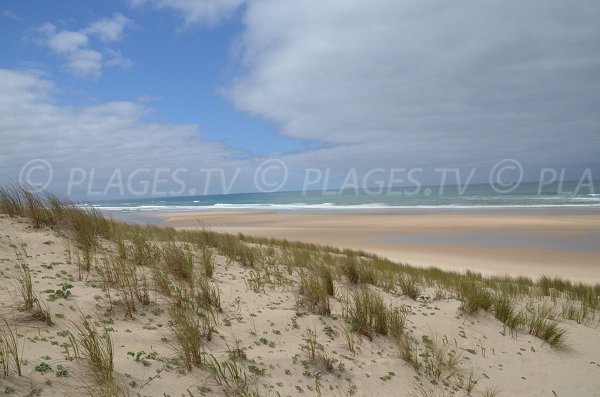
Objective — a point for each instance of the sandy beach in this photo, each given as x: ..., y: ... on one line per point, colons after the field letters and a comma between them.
x: 205, y: 314
x: 565, y: 244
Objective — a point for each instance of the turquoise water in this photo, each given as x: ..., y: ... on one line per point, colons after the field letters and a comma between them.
x: 526, y: 195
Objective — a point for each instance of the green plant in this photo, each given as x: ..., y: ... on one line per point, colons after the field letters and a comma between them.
x: 231, y: 376
x: 315, y: 292
x: 9, y: 349
x: 474, y: 297
x: 25, y: 285
x: 505, y: 311
x: 311, y: 346
x: 64, y: 292
x: 350, y: 270
x: 61, y: 371
x: 43, y: 367
x: 350, y: 338
x: 368, y: 314
x: 409, y: 350
x: 189, y: 331
x: 178, y: 260
x: 326, y: 277
x: 546, y: 330
x: 207, y: 261
x: 409, y: 287
x: 122, y: 275
x: 96, y: 346
x: 255, y: 370
x: 237, y: 351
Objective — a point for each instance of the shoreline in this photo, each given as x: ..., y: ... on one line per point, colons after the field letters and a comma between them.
x: 528, y: 243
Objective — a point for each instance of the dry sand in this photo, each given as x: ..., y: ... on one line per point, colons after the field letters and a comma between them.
x: 269, y: 329
x: 562, y: 245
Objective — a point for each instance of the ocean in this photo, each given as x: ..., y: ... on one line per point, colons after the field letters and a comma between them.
x: 525, y: 195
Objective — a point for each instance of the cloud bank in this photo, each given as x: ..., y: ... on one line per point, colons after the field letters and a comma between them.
x: 82, y: 60
x: 424, y: 82
x: 101, y: 137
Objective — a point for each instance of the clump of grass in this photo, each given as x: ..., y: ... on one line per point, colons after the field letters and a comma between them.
x: 178, y: 260
x: 140, y: 251
x: 206, y: 293
x: 237, y: 351
x: 409, y: 350
x: 96, y: 346
x: 123, y: 276
x: 189, y: 332
x: 9, y: 349
x: 36, y: 208
x: 368, y: 314
x: 505, y: 311
x: 234, y: 249
x: 86, y: 225
x: 315, y: 292
x: 231, y: 376
x: 316, y: 352
x: 578, y: 311
x: 207, y: 261
x: 475, y: 297
x: 326, y: 276
x: 162, y: 282
x: 545, y: 329
x: 351, y: 339
x: 25, y: 285
x: 439, y: 361
x: 10, y: 201
x: 31, y: 302
x: 40, y: 312
x: 409, y: 287
x: 367, y: 274
x: 350, y: 269
x: 311, y: 346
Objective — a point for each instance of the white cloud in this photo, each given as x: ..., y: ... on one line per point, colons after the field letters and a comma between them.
x: 104, y: 137
x: 206, y: 12
x: 67, y: 42
x: 11, y: 15
x: 115, y: 59
x: 80, y: 60
x: 109, y: 29
x: 85, y: 63
x: 75, y: 46
x: 421, y: 82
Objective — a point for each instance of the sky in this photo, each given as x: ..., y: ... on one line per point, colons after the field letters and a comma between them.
x: 223, y: 96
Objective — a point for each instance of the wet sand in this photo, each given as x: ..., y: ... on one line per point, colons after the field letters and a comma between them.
x: 564, y: 244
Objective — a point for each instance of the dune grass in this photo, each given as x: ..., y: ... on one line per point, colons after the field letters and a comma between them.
x: 96, y: 346
x: 170, y: 256
x: 124, y: 277
x: 367, y: 314
x: 10, y: 353
x: 315, y: 292
x: 22, y: 275
x: 189, y: 333
x: 231, y: 376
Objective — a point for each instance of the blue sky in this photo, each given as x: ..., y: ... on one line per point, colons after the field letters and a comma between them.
x: 180, y: 69
x: 94, y: 88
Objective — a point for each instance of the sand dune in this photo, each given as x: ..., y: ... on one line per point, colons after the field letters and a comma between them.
x: 265, y: 328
